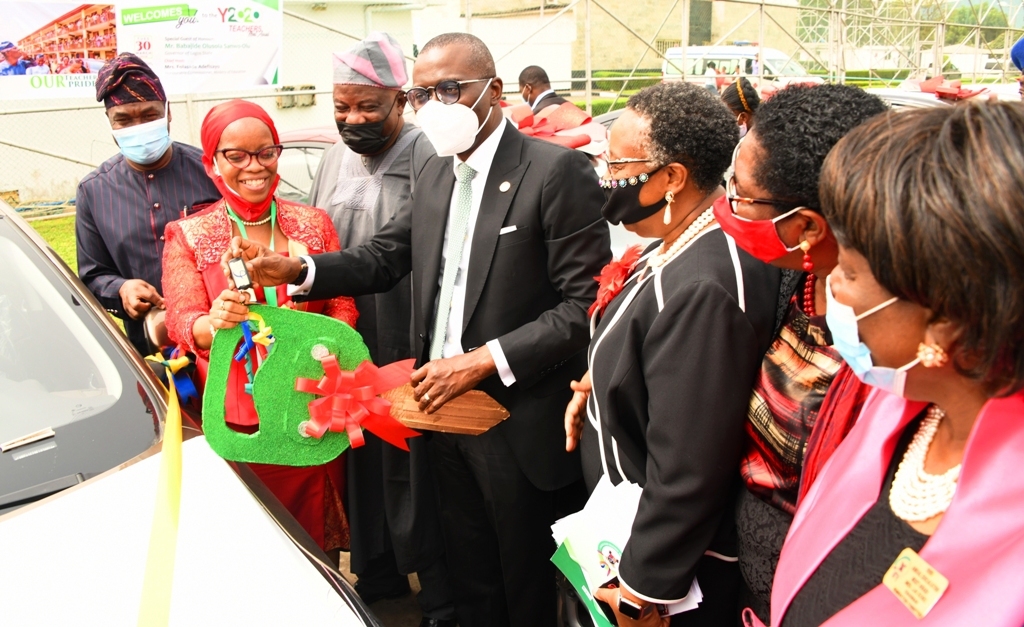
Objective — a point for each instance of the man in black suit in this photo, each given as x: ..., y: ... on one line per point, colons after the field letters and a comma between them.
x: 511, y: 322
x: 536, y: 88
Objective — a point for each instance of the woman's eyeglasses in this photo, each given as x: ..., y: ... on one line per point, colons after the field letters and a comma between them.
x: 241, y: 158
x: 613, y: 181
x: 447, y: 92
x: 734, y: 200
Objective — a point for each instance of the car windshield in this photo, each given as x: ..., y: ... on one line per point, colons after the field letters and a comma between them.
x: 60, y: 371
x: 785, y: 66
x: 297, y: 167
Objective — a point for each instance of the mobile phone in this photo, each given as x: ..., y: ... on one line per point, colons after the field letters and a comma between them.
x: 239, y: 274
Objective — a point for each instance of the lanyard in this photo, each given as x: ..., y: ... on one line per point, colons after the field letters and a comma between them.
x: 270, y: 293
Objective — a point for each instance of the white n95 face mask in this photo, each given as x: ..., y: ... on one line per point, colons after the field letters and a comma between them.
x: 453, y: 128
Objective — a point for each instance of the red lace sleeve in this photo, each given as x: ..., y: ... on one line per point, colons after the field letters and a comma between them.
x: 343, y: 307
x: 184, y: 289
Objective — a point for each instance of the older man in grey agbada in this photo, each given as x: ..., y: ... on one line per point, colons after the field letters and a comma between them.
x: 361, y: 183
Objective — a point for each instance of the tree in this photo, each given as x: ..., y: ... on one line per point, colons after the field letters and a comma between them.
x: 961, y: 24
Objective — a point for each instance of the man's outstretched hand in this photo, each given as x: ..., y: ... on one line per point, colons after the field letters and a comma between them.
x: 265, y: 267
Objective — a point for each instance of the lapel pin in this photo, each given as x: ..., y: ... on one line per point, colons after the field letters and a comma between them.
x: 504, y: 187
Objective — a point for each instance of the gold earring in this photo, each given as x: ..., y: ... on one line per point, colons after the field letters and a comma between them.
x: 932, y: 355
x: 669, y: 197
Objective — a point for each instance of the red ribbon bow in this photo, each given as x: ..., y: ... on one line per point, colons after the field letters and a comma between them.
x: 613, y: 278
x: 349, y: 401
x: 565, y: 116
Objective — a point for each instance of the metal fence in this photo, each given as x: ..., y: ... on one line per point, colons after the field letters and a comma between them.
x: 614, y: 47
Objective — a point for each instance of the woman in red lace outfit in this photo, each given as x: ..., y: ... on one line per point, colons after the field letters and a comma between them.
x: 240, y: 152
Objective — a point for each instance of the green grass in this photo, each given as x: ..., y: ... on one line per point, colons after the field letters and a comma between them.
x: 600, y: 105
x: 60, y: 234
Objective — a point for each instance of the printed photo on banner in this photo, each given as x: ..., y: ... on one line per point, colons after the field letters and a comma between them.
x: 54, y: 49
x: 205, y: 45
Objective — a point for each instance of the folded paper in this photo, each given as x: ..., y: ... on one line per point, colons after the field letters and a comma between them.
x: 591, y: 542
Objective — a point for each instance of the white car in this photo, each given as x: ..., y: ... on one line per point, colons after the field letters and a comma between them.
x: 779, y: 69
x: 81, y: 424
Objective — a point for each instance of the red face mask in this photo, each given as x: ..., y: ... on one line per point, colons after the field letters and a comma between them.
x: 757, y: 237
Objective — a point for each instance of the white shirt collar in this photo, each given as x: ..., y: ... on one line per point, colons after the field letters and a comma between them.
x: 482, y: 157
x: 541, y: 96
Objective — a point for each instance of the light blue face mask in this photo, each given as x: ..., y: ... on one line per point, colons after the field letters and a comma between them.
x: 144, y: 143
x: 842, y: 323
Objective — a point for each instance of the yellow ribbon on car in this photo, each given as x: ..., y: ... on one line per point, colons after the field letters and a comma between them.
x: 155, y: 608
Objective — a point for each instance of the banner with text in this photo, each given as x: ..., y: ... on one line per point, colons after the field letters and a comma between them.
x: 202, y: 46
x: 54, y: 49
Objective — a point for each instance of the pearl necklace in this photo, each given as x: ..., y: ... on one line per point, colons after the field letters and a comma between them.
x: 915, y: 495
x: 256, y: 222
x: 696, y: 227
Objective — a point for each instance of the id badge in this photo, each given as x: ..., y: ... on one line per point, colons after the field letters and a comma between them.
x: 915, y: 583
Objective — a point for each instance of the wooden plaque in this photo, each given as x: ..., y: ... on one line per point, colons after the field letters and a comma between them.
x: 470, y: 414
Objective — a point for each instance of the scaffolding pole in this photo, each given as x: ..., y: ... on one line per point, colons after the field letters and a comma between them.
x: 589, y: 69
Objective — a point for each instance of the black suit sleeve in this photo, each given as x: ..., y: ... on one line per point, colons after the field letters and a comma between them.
x: 376, y: 266
x: 699, y: 360
x: 578, y: 246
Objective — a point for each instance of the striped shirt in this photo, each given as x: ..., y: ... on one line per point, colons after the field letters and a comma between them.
x: 120, y: 224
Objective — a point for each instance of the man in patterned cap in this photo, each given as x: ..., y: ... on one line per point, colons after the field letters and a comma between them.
x: 361, y: 183
x: 124, y: 204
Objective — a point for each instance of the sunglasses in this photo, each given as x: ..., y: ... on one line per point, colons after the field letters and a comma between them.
x: 241, y: 159
x: 447, y: 92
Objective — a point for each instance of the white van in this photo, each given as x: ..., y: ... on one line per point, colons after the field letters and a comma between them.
x: 731, y: 61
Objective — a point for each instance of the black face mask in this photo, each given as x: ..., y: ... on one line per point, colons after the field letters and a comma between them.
x: 623, y: 204
x: 367, y: 138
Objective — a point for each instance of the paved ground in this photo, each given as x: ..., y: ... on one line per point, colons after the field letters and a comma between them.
x: 402, y: 612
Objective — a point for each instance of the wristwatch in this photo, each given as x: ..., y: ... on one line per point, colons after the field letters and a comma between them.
x: 629, y: 609
x: 303, y: 271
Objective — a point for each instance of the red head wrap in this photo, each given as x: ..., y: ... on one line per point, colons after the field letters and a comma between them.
x: 214, y: 124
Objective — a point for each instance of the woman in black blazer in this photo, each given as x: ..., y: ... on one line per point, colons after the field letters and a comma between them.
x: 673, y: 357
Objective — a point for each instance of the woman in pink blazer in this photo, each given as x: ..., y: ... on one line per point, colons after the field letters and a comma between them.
x: 927, y: 305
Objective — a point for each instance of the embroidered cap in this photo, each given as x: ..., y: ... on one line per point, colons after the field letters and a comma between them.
x: 127, y: 78
x: 376, y: 61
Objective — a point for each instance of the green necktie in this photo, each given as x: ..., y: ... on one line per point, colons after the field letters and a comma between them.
x: 456, y: 242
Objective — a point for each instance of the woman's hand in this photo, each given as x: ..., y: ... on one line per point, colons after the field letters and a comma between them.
x: 265, y: 267
x: 575, y: 410
x: 226, y: 311
x: 650, y: 618
x: 229, y: 309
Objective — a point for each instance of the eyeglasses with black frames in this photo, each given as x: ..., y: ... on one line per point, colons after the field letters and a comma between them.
x: 242, y: 158
x: 447, y: 92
